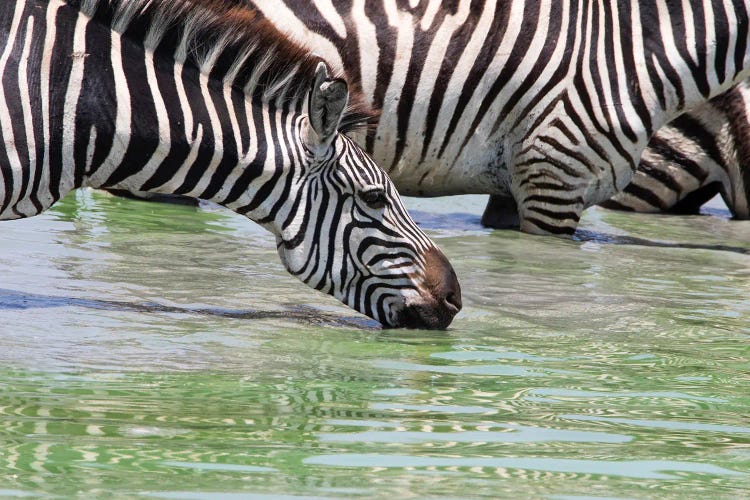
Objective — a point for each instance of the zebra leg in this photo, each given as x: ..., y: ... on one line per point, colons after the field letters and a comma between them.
x: 548, y: 203
x: 501, y: 213
x: 739, y: 201
x: 691, y: 204
x: 550, y: 217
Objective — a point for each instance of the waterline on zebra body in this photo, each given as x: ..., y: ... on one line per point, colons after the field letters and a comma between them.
x: 180, y: 103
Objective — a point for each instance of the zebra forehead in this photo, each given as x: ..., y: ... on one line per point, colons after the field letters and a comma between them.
x: 356, y: 165
x: 224, y: 39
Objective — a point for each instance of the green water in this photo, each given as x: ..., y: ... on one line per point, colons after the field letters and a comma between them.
x: 153, y: 351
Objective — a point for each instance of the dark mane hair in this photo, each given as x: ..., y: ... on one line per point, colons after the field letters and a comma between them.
x: 225, y: 40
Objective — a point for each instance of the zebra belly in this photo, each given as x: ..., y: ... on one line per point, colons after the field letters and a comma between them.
x: 481, y: 167
x: 437, y: 178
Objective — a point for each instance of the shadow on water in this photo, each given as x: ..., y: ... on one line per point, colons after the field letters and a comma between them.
x: 458, y: 222
x: 16, y: 300
x: 585, y: 236
x: 447, y: 222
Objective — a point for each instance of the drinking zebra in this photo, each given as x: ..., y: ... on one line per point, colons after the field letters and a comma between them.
x: 546, y: 105
x: 700, y: 154
x: 196, y: 97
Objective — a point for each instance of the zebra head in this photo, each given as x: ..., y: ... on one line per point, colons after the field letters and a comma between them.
x: 346, y: 231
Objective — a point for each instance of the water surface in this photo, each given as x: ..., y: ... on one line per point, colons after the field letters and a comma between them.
x: 158, y: 351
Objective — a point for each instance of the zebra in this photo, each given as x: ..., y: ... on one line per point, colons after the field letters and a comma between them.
x: 547, y: 106
x: 700, y: 154
x: 205, y: 99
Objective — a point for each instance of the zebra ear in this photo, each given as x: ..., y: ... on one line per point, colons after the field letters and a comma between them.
x: 327, y: 103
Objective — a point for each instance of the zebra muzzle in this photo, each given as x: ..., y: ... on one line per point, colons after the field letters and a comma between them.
x: 439, y: 299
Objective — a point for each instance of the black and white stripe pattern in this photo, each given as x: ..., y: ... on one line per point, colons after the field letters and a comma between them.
x: 700, y: 154
x: 200, y: 98
x: 549, y: 104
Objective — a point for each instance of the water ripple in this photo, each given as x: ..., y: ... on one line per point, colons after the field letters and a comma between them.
x: 570, y: 393
x: 481, y: 410
x: 490, y: 356
x: 220, y: 495
x: 218, y: 467
x: 663, y: 424
x: 504, y: 370
x: 512, y: 434
x: 641, y: 469
x: 16, y: 493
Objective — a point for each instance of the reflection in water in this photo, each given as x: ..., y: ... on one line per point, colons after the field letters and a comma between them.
x: 162, y: 351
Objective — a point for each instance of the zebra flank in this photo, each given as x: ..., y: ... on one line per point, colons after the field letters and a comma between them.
x: 204, y: 98
x: 702, y: 153
x: 547, y: 106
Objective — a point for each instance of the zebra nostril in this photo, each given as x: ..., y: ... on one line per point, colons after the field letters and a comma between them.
x: 454, y: 301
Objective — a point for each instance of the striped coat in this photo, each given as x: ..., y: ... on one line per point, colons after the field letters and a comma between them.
x: 700, y: 154
x: 200, y: 98
x: 549, y: 104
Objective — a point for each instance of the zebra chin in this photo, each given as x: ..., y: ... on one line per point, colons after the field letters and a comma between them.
x: 430, y: 315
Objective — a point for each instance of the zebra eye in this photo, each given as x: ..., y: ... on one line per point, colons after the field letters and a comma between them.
x: 374, y: 197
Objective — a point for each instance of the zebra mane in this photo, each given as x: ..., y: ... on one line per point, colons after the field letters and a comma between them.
x: 225, y: 40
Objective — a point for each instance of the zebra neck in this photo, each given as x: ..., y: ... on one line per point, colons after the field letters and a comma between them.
x: 185, y: 133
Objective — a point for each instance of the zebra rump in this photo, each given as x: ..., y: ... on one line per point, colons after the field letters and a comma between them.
x: 702, y: 153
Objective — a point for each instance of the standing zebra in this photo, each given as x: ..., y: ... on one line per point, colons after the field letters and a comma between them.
x: 547, y: 105
x: 198, y: 98
x: 700, y: 154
